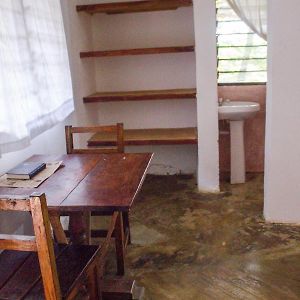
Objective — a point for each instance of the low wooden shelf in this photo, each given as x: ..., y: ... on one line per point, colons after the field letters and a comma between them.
x: 134, y: 6
x: 137, y: 51
x: 141, y: 95
x: 156, y: 136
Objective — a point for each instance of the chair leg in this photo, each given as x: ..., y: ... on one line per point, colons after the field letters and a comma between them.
x: 58, y: 230
x: 93, y: 285
x: 127, y: 226
x: 119, y: 243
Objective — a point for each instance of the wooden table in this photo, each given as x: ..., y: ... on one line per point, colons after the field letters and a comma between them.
x: 91, y: 182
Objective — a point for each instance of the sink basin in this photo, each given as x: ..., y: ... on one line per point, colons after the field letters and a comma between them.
x: 237, y: 110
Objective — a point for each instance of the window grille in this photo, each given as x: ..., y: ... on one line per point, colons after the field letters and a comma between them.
x: 242, y: 54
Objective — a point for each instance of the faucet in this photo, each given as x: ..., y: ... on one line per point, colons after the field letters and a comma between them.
x: 221, y: 101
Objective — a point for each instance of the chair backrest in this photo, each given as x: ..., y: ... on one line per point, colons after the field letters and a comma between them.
x: 42, y: 241
x: 116, y: 130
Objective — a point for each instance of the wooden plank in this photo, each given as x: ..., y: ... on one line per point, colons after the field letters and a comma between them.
x: 137, y: 51
x: 10, y: 261
x: 126, y: 223
x: 78, y: 228
x: 120, y: 137
x: 9, y: 204
x: 24, y: 277
x: 119, y: 245
x: 57, y: 228
x: 17, y: 242
x: 93, y: 285
x: 109, y: 234
x: 95, y: 151
x: 88, y: 129
x: 141, y: 95
x: 44, y: 244
x: 133, y: 7
x: 69, y: 139
x: 95, y: 233
x: 112, y: 185
x: 70, y: 265
x: 158, y: 136
x: 23, y: 280
x: 16, y: 237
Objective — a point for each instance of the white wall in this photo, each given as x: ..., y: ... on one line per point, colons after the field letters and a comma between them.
x: 282, y: 152
x: 207, y: 99
x: 79, y: 38
x: 170, y: 28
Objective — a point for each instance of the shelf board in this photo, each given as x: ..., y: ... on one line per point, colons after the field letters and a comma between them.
x: 141, y: 95
x: 139, y: 137
x: 133, y: 7
x: 137, y: 51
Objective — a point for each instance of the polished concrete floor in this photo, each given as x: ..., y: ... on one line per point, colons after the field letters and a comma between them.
x: 188, y: 245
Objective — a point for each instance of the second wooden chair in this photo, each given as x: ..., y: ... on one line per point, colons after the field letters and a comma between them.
x: 117, y: 130
x: 118, y: 147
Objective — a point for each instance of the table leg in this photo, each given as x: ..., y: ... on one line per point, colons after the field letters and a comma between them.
x: 78, y: 228
x: 119, y: 242
x: 88, y: 227
x: 126, y: 228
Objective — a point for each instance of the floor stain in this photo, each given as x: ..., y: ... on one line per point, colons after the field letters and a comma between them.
x: 191, y: 245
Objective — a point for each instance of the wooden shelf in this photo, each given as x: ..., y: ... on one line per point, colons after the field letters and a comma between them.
x: 141, y: 95
x: 139, y: 137
x: 134, y: 7
x: 137, y: 51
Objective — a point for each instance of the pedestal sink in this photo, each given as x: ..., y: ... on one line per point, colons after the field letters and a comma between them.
x: 237, y: 112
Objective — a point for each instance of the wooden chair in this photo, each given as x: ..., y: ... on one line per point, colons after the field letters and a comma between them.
x: 119, y: 148
x: 117, y: 129
x: 41, y: 270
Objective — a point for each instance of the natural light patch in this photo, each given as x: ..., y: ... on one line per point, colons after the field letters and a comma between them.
x: 242, y: 54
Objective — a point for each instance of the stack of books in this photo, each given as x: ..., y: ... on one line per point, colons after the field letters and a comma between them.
x: 25, y: 170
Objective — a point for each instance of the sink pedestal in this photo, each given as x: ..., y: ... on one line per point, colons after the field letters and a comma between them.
x: 237, y: 156
x: 236, y: 112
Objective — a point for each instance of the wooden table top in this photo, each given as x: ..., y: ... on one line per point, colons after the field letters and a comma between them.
x: 92, y: 182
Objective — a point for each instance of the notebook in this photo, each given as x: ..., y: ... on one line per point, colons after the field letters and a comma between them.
x: 25, y: 170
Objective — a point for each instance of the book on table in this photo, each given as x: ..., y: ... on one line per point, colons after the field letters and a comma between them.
x: 25, y: 170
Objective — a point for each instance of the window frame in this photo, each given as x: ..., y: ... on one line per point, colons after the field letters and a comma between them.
x: 232, y: 59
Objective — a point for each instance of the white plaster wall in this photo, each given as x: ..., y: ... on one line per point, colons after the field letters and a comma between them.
x: 170, y: 28
x: 79, y: 38
x: 207, y: 98
x: 282, y: 154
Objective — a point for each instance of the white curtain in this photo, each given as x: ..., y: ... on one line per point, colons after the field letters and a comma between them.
x: 253, y: 13
x: 35, y: 80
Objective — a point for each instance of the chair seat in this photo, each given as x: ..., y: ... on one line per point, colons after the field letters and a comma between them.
x: 22, y: 278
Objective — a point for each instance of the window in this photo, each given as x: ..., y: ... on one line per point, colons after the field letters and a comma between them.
x: 35, y: 80
x: 242, y: 54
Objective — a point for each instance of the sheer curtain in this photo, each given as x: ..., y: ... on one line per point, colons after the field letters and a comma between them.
x: 35, y: 80
x: 253, y: 13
